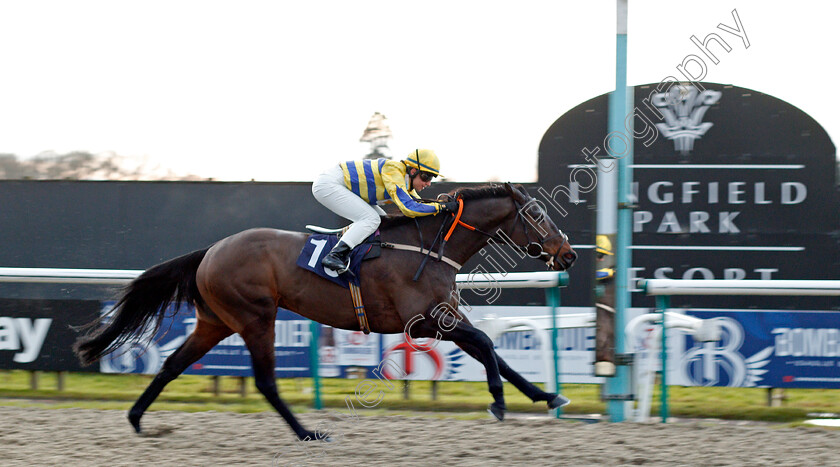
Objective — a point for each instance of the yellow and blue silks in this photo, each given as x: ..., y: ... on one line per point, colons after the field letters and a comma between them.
x: 383, y: 181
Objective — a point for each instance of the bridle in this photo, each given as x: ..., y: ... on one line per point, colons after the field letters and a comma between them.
x: 534, y: 249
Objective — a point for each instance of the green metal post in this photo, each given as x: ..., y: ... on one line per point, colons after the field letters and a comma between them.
x: 315, y: 331
x: 552, y: 298
x: 663, y: 302
x: 620, y: 107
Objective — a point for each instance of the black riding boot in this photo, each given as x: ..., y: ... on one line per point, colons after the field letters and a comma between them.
x: 338, y: 258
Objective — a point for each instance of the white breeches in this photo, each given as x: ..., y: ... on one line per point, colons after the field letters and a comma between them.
x: 330, y: 191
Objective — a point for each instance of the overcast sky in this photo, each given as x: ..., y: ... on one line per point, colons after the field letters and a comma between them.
x: 281, y: 90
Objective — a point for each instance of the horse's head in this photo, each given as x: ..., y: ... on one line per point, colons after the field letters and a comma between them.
x: 508, y: 215
x: 535, y: 229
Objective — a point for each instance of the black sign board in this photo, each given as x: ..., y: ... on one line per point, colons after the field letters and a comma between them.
x: 729, y: 183
x: 36, y: 334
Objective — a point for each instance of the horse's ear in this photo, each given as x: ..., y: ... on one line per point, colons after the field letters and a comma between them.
x: 517, y: 191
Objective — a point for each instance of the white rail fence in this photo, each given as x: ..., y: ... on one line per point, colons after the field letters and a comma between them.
x: 663, y: 289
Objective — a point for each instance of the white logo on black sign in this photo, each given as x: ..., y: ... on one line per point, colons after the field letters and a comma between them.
x: 683, y: 108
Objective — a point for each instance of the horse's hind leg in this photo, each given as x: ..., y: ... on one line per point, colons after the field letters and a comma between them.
x: 202, y: 339
x: 526, y: 387
x: 259, y: 338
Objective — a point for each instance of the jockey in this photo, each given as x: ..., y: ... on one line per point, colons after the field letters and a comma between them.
x: 353, y: 190
x: 603, y: 248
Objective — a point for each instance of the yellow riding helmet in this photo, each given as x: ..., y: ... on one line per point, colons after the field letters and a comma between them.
x: 425, y: 160
x: 603, y: 245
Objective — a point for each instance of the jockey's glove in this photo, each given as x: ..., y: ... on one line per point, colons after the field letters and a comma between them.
x: 451, y: 206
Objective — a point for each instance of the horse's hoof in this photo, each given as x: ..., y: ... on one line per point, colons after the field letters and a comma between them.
x: 135, y: 422
x: 559, y: 401
x: 497, y: 410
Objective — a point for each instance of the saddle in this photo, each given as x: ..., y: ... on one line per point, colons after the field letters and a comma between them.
x: 371, y: 248
x: 321, y: 242
x: 319, y: 245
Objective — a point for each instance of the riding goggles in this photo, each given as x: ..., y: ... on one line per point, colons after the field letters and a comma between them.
x: 427, y: 177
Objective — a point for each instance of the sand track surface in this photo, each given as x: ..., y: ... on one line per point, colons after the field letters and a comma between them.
x: 30, y: 436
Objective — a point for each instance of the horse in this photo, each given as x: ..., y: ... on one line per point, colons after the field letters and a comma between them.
x: 237, y: 284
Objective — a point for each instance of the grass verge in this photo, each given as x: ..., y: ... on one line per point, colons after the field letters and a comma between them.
x: 196, y: 393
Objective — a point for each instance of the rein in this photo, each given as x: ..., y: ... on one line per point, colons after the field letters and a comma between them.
x: 455, y: 223
x: 431, y: 247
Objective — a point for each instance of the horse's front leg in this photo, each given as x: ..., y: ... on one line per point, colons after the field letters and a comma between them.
x: 444, y: 326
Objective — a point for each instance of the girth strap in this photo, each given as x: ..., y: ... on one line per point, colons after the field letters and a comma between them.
x: 356, y: 295
x: 399, y: 246
x: 356, y: 292
x: 359, y: 308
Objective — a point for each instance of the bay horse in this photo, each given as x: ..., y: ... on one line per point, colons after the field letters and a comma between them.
x: 238, y: 283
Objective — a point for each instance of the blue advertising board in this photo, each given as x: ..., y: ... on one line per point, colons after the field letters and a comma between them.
x: 758, y: 348
x: 229, y: 357
x: 765, y: 348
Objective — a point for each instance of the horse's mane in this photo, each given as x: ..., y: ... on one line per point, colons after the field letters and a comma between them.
x: 479, y: 192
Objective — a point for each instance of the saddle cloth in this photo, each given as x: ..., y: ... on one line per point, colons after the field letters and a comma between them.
x: 319, y: 245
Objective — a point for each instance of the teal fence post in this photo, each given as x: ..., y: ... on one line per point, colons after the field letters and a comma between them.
x: 663, y: 302
x: 618, y: 124
x: 552, y: 297
x: 315, y: 331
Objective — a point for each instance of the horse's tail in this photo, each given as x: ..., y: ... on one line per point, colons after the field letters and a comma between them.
x: 142, y: 306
